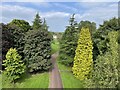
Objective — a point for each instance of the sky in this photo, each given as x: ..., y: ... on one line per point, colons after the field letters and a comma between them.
x: 57, y: 14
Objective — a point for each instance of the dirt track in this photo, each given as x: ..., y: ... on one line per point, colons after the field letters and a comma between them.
x: 55, y: 79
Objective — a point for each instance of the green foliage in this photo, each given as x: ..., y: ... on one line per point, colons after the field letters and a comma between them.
x: 92, y: 27
x: 58, y: 34
x: 68, y: 43
x: 14, y: 67
x: 105, y: 74
x: 37, y: 23
x: 83, y: 60
x: 37, y: 50
x: 100, y: 37
x: 88, y: 24
x: 24, y: 25
x: 18, y: 38
x: 7, y: 39
x: 18, y: 29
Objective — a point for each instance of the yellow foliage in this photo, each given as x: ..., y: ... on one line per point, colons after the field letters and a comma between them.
x: 83, y: 59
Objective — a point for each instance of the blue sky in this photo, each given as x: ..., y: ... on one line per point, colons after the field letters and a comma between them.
x: 57, y: 14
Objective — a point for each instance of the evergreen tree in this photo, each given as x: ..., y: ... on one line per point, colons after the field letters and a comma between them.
x: 18, y: 29
x: 83, y: 60
x: 37, y: 50
x: 92, y: 28
x: 37, y: 23
x: 14, y: 67
x: 100, y: 36
x: 45, y: 27
x: 68, y: 43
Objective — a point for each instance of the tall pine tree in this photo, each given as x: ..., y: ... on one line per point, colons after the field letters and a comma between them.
x: 68, y: 42
x: 37, y: 23
x: 45, y: 27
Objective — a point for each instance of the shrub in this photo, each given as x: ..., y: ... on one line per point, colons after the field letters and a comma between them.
x: 83, y: 58
x: 14, y: 67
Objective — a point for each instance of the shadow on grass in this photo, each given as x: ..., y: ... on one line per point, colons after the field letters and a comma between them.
x: 24, y: 77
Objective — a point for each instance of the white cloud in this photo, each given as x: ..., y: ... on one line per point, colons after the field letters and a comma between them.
x: 55, y: 14
x: 41, y: 4
x: 58, y: 20
x: 13, y: 11
x: 66, y: 7
x: 99, y: 13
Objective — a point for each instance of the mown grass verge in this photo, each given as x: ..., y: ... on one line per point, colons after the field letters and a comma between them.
x: 40, y: 80
x: 68, y: 79
x: 0, y: 81
x: 54, y: 46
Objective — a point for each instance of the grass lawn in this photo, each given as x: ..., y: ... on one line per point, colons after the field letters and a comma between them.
x: 68, y: 80
x: 54, y: 46
x: 30, y: 81
x: 0, y: 81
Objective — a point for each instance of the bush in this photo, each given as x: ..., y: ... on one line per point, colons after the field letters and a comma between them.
x: 37, y: 50
x: 83, y: 59
x: 14, y: 67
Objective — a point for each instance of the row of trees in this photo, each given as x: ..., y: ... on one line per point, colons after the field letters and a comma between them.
x: 95, y: 57
x: 70, y: 38
x: 25, y: 48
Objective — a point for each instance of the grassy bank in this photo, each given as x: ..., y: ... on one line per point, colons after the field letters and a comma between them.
x: 68, y: 80
x: 0, y: 81
x: 30, y: 81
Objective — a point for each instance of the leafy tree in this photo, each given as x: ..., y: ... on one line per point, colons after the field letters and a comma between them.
x: 68, y: 43
x: 37, y: 23
x: 106, y: 71
x: 83, y: 60
x: 14, y: 67
x: 24, y: 25
x: 37, y: 50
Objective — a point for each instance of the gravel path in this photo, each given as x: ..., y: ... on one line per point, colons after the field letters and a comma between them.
x: 54, y: 75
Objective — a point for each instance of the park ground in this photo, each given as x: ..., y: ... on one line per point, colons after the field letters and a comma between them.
x: 41, y: 80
